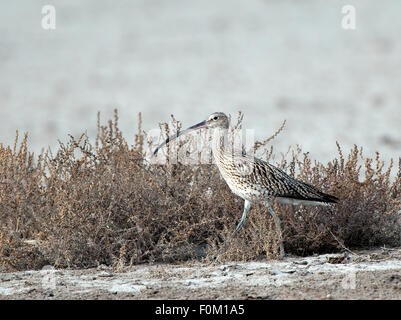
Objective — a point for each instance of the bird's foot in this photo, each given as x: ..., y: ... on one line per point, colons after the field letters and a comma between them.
x: 240, y: 225
x: 283, y: 255
x: 282, y: 252
x: 214, y: 258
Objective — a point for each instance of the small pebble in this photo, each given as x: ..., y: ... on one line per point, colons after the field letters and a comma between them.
x: 105, y: 274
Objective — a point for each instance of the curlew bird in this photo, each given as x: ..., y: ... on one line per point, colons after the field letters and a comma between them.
x: 253, y: 179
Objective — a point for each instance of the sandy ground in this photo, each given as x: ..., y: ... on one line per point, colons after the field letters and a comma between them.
x: 374, y: 274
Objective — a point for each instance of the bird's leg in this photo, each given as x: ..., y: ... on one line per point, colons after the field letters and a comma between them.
x: 278, y: 225
x: 241, y: 224
x: 247, y: 206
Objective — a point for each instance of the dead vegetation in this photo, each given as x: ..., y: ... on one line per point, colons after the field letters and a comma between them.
x: 104, y: 203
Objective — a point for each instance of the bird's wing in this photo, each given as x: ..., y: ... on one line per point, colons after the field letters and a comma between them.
x: 280, y: 184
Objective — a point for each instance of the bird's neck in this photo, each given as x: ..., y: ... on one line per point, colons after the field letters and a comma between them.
x: 220, y: 143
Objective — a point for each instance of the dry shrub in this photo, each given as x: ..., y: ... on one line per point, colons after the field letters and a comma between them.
x: 104, y: 203
x: 367, y: 214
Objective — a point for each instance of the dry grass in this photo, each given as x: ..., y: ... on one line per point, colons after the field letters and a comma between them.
x: 103, y: 203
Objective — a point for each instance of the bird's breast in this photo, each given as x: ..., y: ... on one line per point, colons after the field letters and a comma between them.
x: 238, y: 178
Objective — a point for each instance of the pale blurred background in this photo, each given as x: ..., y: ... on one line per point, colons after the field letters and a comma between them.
x: 273, y: 60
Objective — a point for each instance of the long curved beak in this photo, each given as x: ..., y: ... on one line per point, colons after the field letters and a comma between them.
x: 180, y: 133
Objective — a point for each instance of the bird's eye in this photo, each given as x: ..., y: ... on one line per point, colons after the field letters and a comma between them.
x: 215, y: 118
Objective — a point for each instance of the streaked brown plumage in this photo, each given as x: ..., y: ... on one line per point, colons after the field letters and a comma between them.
x: 254, y: 179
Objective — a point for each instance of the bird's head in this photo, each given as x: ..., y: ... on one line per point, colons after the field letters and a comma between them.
x: 217, y: 120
